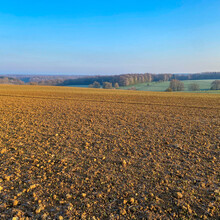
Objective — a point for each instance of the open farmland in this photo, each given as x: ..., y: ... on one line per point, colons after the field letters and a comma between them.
x: 204, y: 86
x: 74, y: 153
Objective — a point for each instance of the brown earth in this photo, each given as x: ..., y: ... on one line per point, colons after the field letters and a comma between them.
x: 68, y: 153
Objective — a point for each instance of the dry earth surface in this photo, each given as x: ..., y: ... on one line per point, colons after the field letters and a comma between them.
x: 69, y: 153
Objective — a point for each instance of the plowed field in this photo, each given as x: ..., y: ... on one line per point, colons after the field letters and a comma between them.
x: 69, y: 153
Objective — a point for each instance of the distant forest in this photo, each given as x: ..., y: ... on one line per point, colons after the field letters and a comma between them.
x: 121, y: 80
x: 10, y: 80
x: 132, y: 79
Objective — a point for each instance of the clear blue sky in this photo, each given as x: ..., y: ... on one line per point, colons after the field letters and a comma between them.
x: 109, y: 37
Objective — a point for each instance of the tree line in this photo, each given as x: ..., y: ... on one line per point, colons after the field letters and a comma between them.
x: 121, y: 80
x: 177, y: 85
x: 132, y: 79
x: 115, y: 81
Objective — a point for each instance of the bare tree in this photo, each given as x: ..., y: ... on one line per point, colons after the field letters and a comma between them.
x: 107, y: 85
x: 95, y: 85
x: 116, y: 85
x: 194, y: 87
x: 176, y: 85
x: 215, y: 85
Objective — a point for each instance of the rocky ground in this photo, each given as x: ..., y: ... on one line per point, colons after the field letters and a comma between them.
x: 68, y: 153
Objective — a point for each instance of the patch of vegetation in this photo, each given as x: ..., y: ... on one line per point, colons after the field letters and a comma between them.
x: 10, y: 80
x: 215, y: 85
x: 176, y: 85
x: 95, y: 85
x: 107, y: 85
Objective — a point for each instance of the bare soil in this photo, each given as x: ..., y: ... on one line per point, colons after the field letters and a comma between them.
x: 69, y: 153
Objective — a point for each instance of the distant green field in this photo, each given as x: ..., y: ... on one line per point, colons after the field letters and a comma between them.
x: 162, y: 86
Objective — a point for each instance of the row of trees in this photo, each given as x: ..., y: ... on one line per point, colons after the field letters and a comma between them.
x: 197, y: 76
x: 177, y: 85
x: 122, y: 80
x: 132, y: 79
x: 105, y: 85
x: 10, y: 80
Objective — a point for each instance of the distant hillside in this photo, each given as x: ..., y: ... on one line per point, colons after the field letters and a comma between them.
x: 198, y: 76
x: 133, y: 79
x: 10, y: 80
x: 44, y: 78
x: 122, y: 80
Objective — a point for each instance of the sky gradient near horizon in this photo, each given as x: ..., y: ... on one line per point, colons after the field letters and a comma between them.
x: 109, y: 37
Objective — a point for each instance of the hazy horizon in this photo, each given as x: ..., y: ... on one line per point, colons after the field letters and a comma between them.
x: 102, y: 74
x: 98, y: 38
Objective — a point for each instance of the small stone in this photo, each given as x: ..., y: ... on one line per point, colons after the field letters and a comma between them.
x: 157, y: 199
x: 179, y: 195
x: 70, y: 206
x: 7, y: 178
x: 39, y: 209
x: 125, y: 201
x: 205, y: 217
x: 15, y: 202
x: 203, y: 185
x: 3, y: 151
x: 62, y: 201
x: 68, y: 196
x: 99, y: 195
x: 33, y: 186
x: 124, y: 163
x: 123, y: 212
x: 132, y: 200
x: 83, y: 216
x: 217, y: 191
x: 190, y: 210
x: 44, y: 216
x: 84, y: 195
